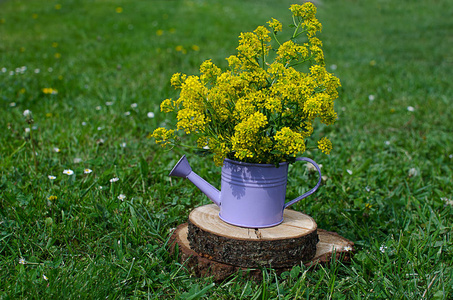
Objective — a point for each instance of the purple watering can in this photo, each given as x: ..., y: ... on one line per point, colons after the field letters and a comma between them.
x: 252, y: 195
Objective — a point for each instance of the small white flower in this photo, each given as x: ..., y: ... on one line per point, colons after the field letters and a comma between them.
x: 68, y: 172
x: 44, y: 277
x: 383, y: 248
x: 387, y: 143
x: 100, y: 187
x: 206, y: 147
x: 312, y: 168
x: 368, y: 189
x: 122, y: 197
x: 412, y: 172
x: 123, y: 145
x: 50, y: 69
x: 56, y: 149
x: 349, y: 171
x: 447, y: 201
x: 134, y: 105
x: 87, y: 171
x: 98, y: 107
x: 99, y: 128
x: 27, y: 129
x: 84, y: 123
x: 150, y: 115
x: 100, y: 141
x: 347, y: 248
x: 51, y: 177
x: 22, y: 261
x: 11, y: 73
x: 4, y: 70
x: 12, y: 104
x: 333, y: 67
x: 371, y: 97
x: 324, y: 178
x: 128, y: 113
x: 114, y: 179
x: 109, y: 103
x: 77, y: 160
x: 27, y: 112
x: 37, y: 71
x: 410, y: 108
x: 450, y: 156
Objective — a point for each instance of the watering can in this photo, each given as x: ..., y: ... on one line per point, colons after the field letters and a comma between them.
x: 251, y: 195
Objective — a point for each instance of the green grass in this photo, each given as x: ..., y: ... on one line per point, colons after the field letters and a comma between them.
x: 389, y: 175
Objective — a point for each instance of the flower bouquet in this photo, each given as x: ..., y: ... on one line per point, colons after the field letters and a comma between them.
x: 261, y: 109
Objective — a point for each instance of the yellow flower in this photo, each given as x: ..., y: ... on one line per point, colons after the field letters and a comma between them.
x: 163, y: 136
x: 275, y: 25
x: 262, y: 108
x: 119, y: 10
x: 289, y: 142
x: 325, y: 145
x: 177, y: 79
x: 167, y: 106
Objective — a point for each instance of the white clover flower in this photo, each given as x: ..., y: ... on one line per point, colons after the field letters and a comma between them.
x: 122, y: 197
x: 387, y: 143
x: 87, y: 171
x: 312, y: 168
x: 27, y: 112
x: 12, y: 104
x: 123, y: 145
x: 128, y: 113
x: 347, y: 248
x: 4, y: 70
x: 84, y: 123
x: 150, y: 115
x: 134, y: 105
x: 50, y: 70
x: 349, y: 171
x: 77, y: 160
x: 447, y: 201
x: 114, y: 179
x: 109, y: 103
x: 37, y: 71
x: 51, y: 177
x: 98, y: 107
x: 412, y: 172
x: 22, y: 261
x: 68, y: 172
x: 410, y: 108
x: 333, y: 67
x: 99, y: 128
x: 27, y: 129
x: 371, y: 97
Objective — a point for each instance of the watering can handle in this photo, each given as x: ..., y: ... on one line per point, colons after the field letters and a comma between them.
x: 310, y: 191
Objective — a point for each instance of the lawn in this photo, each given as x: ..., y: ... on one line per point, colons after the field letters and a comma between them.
x: 87, y: 208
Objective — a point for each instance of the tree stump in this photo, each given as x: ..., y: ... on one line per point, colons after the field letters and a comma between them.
x: 284, y: 245
x: 329, y: 243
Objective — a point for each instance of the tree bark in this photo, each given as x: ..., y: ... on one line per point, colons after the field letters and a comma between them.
x: 283, y: 245
x: 329, y: 243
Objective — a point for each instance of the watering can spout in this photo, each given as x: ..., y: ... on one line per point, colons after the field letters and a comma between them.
x: 183, y: 169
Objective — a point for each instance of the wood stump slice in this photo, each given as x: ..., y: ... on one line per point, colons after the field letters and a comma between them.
x: 329, y: 243
x: 284, y: 245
